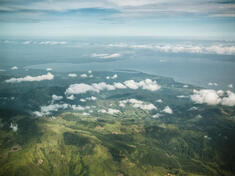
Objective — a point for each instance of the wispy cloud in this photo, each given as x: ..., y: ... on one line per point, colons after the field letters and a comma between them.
x: 183, y: 48
x: 106, y: 56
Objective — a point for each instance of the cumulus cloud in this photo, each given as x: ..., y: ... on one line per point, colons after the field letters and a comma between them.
x: 185, y: 86
x: 114, y: 76
x: 92, y: 98
x: 212, y: 84
x: 119, y: 85
x: 109, y: 111
x: 213, y: 97
x: 106, y: 56
x: 208, y: 96
x: 138, y: 104
x: 14, y: 127
x: 82, y: 100
x: 85, y: 114
x: 89, y: 71
x: 14, y: 68
x: 147, y: 84
x: 229, y: 100
x: 49, y: 69
x: 71, y: 97
x: 230, y: 86
x: 159, y: 101
x: 48, y: 76
x: 167, y: 110
x: 47, y: 110
x: 78, y: 108
x: 194, y: 108
x: 80, y: 89
x: 26, y: 42
x: 56, y: 98
x: 72, y: 75
x: 182, y: 96
x: 155, y: 116
x: 52, y: 43
x: 84, y: 75
x: 97, y: 87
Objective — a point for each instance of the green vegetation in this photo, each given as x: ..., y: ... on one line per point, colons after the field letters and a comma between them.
x: 130, y: 143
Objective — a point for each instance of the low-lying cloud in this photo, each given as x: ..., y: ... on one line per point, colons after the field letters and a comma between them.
x: 97, y: 87
x: 106, y: 56
x: 183, y: 48
x: 72, y: 75
x: 213, y: 97
x: 48, y: 76
x: 47, y: 110
x: 137, y: 104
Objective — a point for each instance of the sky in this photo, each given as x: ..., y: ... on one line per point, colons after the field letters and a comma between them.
x: 167, y: 18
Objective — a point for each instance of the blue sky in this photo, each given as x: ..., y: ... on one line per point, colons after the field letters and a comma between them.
x: 178, y: 18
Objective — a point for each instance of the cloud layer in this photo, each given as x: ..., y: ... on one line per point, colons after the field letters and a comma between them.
x: 183, y: 48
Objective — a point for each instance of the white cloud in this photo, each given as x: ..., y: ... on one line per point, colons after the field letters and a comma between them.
x: 71, y: 97
x: 194, y: 108
x: 119, y: 85
x: 56, y: 98
x: 107, y: 77
x: 131, y: 84
x: 114, y: 76
x: 48, y: 76
x: 97, y: 87
x: 49, y: 69
x: 229, y: 100
x: 184, y: 48
x: 85, y: 114
x: 159, y: 101
x: 2, y: 70
x: 208, y: 96
x: 106, y: 56
x: 147, y: 84
x: 182, y: 96
x: 155, y: 116
x: 212, y: 84
x: 80, y: 89
x: 91, y: 98
x: 26, y: 42
x: 14, y: 127
x: 91, y: 76
x: 167, y: 110
x: 230, y: 86
x: 212, y: 97
x: 78, y: 108
x: 84, y: 75
x: 82, y: 100
x: 72, y: 75
x: 89, y: 71
x: 46, y: 110
x: 138, y: 104
x: 14, y: 68
x: 103, y: 86
x: 52, y: 43
x: 109, y: 111
x: 185, y: 86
